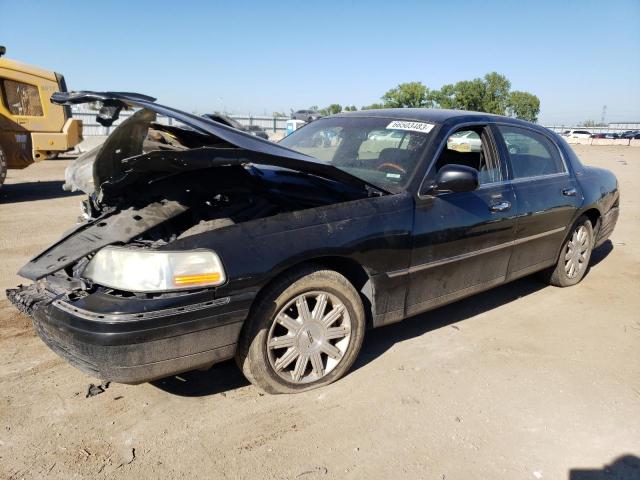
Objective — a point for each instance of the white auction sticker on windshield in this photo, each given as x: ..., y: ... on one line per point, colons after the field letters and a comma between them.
x: 411, y: 126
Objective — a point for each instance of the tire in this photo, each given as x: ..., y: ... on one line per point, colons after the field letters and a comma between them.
x: 303, y: 361
x: 576, y: 249
x: 3, y: 167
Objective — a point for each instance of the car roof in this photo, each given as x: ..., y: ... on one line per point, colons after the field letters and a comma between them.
x: 431, y: 115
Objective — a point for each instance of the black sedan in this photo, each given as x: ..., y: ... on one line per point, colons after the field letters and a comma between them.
x: 222, y: 245
x: 631, y: 134
x: 607, y: 135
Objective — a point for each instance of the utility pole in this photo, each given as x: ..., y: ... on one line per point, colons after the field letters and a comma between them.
x: 604, y: 114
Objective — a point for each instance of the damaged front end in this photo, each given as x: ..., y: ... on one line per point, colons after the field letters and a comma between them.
x: 132, y: 292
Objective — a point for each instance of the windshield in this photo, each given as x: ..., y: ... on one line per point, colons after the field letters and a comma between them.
x: 381, y: 151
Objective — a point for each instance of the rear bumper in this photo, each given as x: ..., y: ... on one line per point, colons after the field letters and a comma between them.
x: 135, y: 347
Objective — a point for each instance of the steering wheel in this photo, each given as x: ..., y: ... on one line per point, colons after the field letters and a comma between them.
x: 392, y: 166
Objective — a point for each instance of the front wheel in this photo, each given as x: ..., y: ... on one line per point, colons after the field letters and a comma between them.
x: 305, y: 332
x: 573, y: 261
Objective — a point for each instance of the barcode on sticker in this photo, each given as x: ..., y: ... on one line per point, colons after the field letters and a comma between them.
x: 410, y: 126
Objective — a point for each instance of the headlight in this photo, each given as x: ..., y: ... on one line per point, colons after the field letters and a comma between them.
x: 154, y: 271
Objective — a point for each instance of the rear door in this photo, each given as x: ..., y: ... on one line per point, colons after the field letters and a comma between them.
x: 462, y: 241
x: 547, y: 197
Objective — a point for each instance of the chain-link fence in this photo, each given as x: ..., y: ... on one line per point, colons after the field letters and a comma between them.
x: 92, y: 128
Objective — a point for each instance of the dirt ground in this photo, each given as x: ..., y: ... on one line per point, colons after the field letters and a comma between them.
x: 523, y: 382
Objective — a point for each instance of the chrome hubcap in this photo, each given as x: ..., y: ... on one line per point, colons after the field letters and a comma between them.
x: 575, y: 258
x: 309, y: 337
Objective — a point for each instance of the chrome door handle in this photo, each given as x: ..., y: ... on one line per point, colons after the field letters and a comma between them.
x: 500, y: 207
x: 570, y: 192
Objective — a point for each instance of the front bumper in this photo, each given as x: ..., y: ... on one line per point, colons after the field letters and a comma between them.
x: 132, y: 340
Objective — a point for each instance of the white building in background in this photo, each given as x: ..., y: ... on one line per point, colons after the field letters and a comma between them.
x: 625, y: 125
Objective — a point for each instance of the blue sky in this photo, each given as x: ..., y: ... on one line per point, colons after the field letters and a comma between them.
x: 258, y: 57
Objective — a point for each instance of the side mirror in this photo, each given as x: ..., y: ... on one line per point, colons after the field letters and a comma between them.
x: 456, y: 178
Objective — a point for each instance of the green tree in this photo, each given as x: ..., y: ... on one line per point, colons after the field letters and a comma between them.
x: 523, y: 105
x: 350, y: 108
x: 334, y: 108
x: 496, y: 93
x: 373, y: 106
x: 443, y: 98
x: 489, y: 94
x: 405, y: 95
x: 464, y: 95
x: 278, y: 114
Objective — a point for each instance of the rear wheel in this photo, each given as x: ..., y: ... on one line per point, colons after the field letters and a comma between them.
x: 305, y: 332
x: 3, y: 167
x: 573, y: 261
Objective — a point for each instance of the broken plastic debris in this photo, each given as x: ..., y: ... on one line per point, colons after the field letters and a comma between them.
x: 94, y: 390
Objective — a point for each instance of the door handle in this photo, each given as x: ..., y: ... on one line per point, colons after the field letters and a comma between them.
x: 570, y: 192
x: 500, y: 207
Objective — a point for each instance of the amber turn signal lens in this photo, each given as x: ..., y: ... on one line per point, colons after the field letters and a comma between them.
x: 198, y: 279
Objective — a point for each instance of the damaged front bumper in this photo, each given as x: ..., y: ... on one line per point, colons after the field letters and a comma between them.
x: 137, y: 340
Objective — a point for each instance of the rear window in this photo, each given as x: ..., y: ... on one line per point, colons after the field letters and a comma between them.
x: 21, y: 98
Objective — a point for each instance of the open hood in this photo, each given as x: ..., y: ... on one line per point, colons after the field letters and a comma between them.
x: 123, y: 158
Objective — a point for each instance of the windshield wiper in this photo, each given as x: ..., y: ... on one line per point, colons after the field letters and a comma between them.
x: 369, y: 188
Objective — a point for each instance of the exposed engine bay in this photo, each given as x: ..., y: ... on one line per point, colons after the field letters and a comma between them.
x: 150, y: 184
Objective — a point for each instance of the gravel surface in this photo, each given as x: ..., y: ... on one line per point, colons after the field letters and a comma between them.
x: 524, y: 381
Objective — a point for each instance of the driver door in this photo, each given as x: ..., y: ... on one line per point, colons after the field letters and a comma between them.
x: 462, y: 241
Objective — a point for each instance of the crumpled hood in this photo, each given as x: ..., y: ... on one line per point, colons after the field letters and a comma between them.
x: 112, y: 164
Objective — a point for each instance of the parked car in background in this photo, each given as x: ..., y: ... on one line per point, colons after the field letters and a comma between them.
x: 464, y: 142
x: 389, y: 135
x: 470, y: 141
x: 306, y: 115
x: 609, y: 135
x: 232, y: 122
x: 576, y: 134
x: 282, y: 254
x: 631, y: 134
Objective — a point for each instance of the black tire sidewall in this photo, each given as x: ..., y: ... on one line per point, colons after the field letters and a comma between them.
x: 256, y: 358
x: 3, y: 167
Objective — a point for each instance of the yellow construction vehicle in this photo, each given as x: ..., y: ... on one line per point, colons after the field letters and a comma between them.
x: 31, y: 127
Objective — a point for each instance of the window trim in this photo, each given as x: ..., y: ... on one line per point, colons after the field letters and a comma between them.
x: 450, y: 131
x: 544, y: 135
x: 505, y: 162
